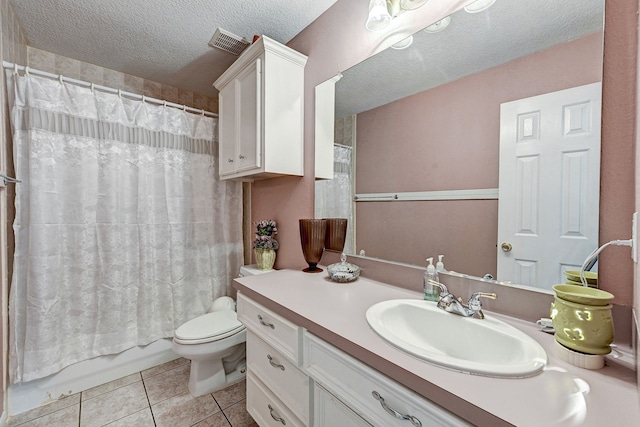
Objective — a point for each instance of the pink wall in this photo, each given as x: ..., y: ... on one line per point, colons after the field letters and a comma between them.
x: 334, y: 42
x: 338, y: 40
x: 449, y: 140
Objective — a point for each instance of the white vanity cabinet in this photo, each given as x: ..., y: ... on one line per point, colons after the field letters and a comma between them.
x: 295, y: 378
x: 261, y: 113
x: 371, y: 396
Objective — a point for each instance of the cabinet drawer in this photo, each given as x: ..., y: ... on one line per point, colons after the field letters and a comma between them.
x: 355, y: 384
x: 279, y: 375
x: 281, y: 334
x: 265, y: 408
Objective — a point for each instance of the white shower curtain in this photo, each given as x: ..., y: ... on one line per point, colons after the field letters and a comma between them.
x: 122, y: 231
x: 334, y: 198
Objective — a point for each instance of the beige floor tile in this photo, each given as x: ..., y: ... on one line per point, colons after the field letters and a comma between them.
x: 232, y: 394
x: 49, y: 408
x: 238, y: 415
x: 113, y: 405
x: 164, y: 367
x: 184, y: 410
x: 66, y: 417
x: 217, y: 420
x: 139, y: 419
x: 110, y: 386
x: 167, y: 384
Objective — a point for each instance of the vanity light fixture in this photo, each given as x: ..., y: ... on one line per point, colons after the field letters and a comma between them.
x: 479, y: 6
x: 403, y: 44
x: 381, y: 12
x: 379, y: 16
x: 438, y: 26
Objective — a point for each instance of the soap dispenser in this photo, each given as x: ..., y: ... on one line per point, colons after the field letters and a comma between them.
x: 440, y: 264
x: 431, y: 292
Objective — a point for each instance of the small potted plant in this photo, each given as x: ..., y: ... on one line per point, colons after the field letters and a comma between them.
x: 265, y: 245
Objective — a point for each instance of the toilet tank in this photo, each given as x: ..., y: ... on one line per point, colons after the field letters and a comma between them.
x: 251, y: 270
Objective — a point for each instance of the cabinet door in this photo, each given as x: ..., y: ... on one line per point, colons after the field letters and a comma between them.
x: 330, y: 411
x: 227, y: 143
x: 249, y: 142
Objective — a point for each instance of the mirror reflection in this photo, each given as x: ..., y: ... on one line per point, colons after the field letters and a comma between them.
x: 422, y: 127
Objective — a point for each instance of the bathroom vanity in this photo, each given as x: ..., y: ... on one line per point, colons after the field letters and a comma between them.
x: 314, y: 361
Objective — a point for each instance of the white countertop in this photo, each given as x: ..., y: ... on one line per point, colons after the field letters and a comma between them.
x: 562, y: 395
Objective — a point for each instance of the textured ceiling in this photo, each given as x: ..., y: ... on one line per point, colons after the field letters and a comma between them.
x: 160, y: 40
x: 510, y: 29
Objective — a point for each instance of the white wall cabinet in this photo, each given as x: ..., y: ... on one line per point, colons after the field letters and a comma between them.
x: 296, y: 377
x: 261, y: 106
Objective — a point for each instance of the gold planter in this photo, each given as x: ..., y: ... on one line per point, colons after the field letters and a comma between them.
x: 265, y: 258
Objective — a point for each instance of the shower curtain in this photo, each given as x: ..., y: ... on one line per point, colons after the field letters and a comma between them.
x: 122, y: 231
x: 334, y: 198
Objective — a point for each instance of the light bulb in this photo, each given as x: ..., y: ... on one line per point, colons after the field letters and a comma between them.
x: 479, y: 6
x: 438, y: 25
x: 379, y: 17
x: 411, y: 4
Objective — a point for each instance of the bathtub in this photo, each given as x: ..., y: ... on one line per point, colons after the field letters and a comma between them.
x: 87, y: 374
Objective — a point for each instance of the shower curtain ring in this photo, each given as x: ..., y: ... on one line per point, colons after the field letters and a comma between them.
x: 26, y: 71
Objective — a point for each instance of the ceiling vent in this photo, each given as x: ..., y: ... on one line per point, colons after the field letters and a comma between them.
x: 229, y: 42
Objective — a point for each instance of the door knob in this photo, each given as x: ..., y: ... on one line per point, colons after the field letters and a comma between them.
x: 506, y: 246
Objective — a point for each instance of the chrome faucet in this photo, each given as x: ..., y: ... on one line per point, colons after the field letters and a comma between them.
x: 449, y: 303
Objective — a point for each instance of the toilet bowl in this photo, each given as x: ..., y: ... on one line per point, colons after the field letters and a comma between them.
x: 215, y: 344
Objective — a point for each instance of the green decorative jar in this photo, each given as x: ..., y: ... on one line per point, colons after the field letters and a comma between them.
x: 582, y: 319
x: 265, y: 258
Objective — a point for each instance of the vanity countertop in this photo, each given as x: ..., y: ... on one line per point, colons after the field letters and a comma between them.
x: 562, y: 395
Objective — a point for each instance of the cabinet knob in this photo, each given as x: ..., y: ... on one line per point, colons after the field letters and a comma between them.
x: 230, y: 160
x: 240, y: 156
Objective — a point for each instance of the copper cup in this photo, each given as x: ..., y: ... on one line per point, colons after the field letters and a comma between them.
x: 336, y: 234
x: 312, y: 234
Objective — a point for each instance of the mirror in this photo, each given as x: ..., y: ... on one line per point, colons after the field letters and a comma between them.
x: 424, y: 125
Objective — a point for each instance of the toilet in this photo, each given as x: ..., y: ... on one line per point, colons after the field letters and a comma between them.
x: 215, y: 344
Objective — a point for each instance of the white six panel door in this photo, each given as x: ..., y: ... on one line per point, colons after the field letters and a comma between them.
x: 549, y: 185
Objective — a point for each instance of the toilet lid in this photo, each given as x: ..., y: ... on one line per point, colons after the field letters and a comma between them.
x: 217, y: 325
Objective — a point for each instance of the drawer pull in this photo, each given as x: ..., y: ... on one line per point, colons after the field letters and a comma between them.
x: 416, y: 422
x: 274, y: 417
x: 263, y: 323
x: 274, y: 364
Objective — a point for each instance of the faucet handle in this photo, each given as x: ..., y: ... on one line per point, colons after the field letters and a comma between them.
x: 474, y: 302
x: 441, y: 286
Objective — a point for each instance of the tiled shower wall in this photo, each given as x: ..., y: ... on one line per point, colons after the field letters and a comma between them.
x: 14, y: 48
x: 68, y: 67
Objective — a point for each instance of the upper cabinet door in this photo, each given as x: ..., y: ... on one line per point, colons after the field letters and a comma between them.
x: 249, y: 144
x: 227, y: 152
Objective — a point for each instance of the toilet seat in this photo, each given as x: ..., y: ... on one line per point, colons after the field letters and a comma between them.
x: 209, y: 327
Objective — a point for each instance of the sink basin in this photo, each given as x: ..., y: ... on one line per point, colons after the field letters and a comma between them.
x: 484, y: 347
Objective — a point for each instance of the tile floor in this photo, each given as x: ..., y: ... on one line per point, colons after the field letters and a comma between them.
x: 154, y: 397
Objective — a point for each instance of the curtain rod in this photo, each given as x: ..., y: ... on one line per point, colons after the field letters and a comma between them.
x: 132, y: 95
x: 342, y: 145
